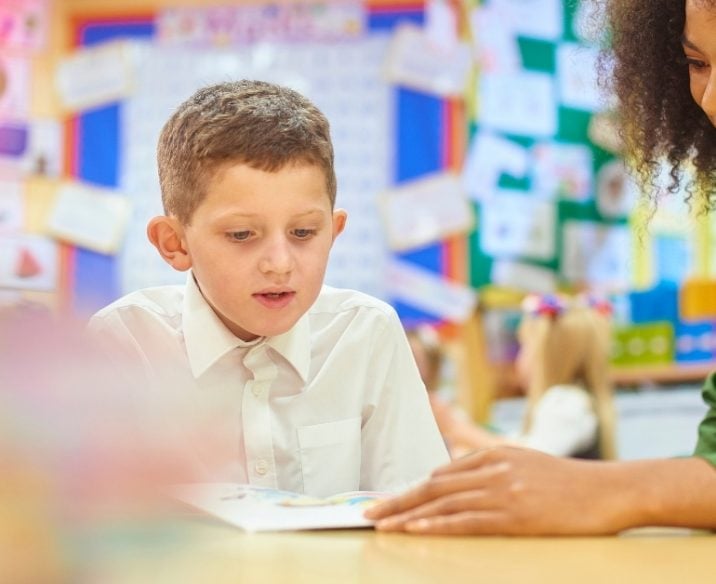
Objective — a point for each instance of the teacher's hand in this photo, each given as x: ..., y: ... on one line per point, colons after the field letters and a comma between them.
x: 506, y: 491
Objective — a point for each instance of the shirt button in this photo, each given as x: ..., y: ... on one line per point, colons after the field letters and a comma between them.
x: 256, y: 389
x: 261, y: 467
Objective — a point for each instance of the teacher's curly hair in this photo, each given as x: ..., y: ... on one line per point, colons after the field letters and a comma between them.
x: 660, y: 122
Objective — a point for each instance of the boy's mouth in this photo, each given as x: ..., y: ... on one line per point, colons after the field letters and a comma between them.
x: 275, y: 299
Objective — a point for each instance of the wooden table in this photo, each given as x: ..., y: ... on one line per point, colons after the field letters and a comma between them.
x: 219, y: 554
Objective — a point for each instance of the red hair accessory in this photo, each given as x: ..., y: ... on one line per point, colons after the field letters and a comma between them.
x: 543, y: 305
x: 599, y: 304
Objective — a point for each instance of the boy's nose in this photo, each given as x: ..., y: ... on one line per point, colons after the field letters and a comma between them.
x: 277, y: 258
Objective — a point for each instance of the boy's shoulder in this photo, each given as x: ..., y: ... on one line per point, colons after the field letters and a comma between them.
x: 338, y: 300
x: 163, y: 301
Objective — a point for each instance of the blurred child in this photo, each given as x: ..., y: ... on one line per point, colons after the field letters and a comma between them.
x: 563, y: 365
x: 460, y: 433
x: 300, y: 386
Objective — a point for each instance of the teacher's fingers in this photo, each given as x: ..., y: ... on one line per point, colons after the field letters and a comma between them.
x: 428, y: 491
x: 455, y: 503
x: 465, y: 523
x: 479, y: 459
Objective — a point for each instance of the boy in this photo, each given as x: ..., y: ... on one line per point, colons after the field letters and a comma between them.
x: 302, y: 387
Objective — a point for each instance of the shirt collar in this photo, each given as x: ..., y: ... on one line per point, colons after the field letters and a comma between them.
x: 207, y: 339
x: 295, y: 346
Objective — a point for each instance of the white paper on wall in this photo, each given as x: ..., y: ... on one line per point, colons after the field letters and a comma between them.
x: 594, y: 254
x: 494, y: 43
x: 518, y: 225
x: 577, y: 75
x: 23, y: 25
x: 617, y: 193
x: 92, y: 218
x: 14, y: 87
x: 541, y: 19
x: 441, y: 24
x: 45, y: 148
x: 430, y: 291
x: 522, y: 276
x: 521, y: 103
x: 562, y: 170
x: 415, y: 62
x: 97, y: 75
x: 488, y: 157
x: 12, y: 207
x: 425, y: 211
x: 28, y: 262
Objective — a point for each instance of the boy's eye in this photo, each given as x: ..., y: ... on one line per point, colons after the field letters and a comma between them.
x: 239, y: 235
x: 304, y: 233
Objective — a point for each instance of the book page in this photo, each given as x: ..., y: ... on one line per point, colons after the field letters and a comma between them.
x: 264, y: 509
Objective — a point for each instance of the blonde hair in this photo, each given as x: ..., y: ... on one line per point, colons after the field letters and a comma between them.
x: 571, y: 346
x: 428, y: 355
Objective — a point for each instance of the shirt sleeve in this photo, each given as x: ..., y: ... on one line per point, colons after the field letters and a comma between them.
x: 564, y: 422
x: 400, y: 441
x: 706, y: 445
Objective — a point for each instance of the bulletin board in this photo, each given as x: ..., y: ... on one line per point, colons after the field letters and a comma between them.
x: 536, y: 176
x: 104, y: 152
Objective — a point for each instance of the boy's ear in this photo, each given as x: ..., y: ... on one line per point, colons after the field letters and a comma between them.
x: 340, y: 217
x: 167, y: 235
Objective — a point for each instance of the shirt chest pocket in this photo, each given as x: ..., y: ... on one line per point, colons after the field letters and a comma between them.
x: 330, y: 457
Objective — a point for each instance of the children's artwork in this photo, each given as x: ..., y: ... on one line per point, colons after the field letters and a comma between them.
x: 91, y: 218
x: 261, y: 22
x: 518, y: 225
x: 28, y: 262
x: 562, y: 170
x: 542, y: 19
x: 520, y: 103
x: 97, y: 76
x: 14, y: 87
x: 577, y: 74
x: 263, y: 509
x: 489, y: 157
x: 33, y: 148
x: 415, y: 62
x: 44, y: 150
x: 23, y: 25
x: 495, y: 46
x: 617, y: 193
x: 13, y: 141
x: 595, y: 255
x: 441, y: 24
x: 12, y: 208
x: 523, y: 276
x: 429, y: 291
x: 426, y: 210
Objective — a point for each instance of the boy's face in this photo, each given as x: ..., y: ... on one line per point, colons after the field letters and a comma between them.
x: 258, y: 245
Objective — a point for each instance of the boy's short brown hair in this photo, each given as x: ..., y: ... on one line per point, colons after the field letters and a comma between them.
x: 260, y: 124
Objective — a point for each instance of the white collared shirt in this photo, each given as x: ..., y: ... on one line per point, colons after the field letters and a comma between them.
x: 564, y: 422
x: 335, y: 404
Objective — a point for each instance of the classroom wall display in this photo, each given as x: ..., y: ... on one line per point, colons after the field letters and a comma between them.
x: 529, y: 137
x: 320, y: 48
x: 344, y: 81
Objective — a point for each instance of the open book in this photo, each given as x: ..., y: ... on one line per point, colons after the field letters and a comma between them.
x: 263, y: 509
